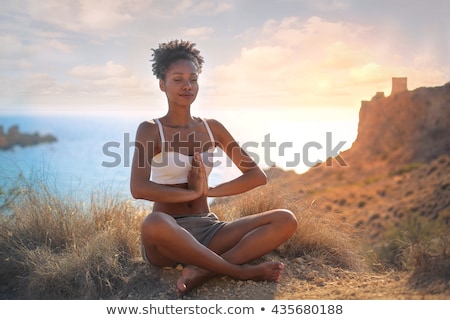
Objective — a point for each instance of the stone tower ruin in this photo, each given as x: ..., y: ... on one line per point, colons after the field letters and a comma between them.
x: 399, y: 85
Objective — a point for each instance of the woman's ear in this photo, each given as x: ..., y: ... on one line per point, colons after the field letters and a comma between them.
x: 162, y: 86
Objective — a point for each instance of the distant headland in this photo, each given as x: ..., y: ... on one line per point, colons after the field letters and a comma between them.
x: 13, y: 137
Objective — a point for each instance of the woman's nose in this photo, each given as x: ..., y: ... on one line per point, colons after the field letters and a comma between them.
x: 187, y: 85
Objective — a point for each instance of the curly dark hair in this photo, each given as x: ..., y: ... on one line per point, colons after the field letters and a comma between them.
x: 168, y: 53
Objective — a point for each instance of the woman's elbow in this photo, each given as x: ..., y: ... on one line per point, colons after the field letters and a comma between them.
x: 136, y: 192
x: 261, y: 177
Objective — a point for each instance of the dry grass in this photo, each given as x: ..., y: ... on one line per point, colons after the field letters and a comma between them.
x: 405, y: 243
x: 56, y: 247
x: 317, y: 235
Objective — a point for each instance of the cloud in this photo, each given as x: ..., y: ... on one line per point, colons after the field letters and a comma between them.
x: 211, y: 8
x: 104, y: 14
x: 296, y: 61
x: 28, y: 86
x: 200, y: 33
x: 41, y: 84
x: 110, y: 79
x: 314, y: 31
x: 370, y: 72
x: 109, y: 83
x: 13, y: 47
x: 82, y: 15
x: 341, y: 54
x: 86, y: 48
x: 197, y: 7
x: 112, y: 18
x: 95, y: 72
x: 313, y: 61
x: 330, y: 5
x: 258, y: 70
x: 58, y: 45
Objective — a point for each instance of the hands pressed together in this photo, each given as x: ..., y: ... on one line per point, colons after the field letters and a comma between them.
x: 197, y: 179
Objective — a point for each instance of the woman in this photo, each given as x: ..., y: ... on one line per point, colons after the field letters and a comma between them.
x: 171, y: 165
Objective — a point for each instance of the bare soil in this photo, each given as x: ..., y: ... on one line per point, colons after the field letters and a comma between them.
x: 304, y: 278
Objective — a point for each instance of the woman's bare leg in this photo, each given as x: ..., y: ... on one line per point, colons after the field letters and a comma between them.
x: 244, y: 240
x: 166, y: 243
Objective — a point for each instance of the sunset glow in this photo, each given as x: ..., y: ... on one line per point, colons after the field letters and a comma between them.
x: 66, y: 56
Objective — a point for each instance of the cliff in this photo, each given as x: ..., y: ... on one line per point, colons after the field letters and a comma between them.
x: 16, y: 138
x: 409, y: 126
x: 397, y: 169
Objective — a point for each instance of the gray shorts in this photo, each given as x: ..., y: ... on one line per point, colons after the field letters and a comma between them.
x: 202, y: 226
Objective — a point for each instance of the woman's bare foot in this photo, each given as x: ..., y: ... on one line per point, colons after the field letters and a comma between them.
x: 192, y: 276
x: 267, y: 271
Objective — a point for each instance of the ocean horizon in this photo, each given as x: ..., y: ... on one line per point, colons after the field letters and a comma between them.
x: 94, y: 152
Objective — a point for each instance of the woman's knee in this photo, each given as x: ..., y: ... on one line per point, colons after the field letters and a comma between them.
x: 155, y: 225
x: 288, y: 219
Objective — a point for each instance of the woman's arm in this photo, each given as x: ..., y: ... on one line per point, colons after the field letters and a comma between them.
x: 252, y: 175
x: 140, y: 185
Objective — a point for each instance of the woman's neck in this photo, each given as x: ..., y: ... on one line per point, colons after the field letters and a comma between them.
x: 179, y: 117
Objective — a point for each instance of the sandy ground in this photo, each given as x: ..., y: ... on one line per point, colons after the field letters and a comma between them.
x: 304, y: 279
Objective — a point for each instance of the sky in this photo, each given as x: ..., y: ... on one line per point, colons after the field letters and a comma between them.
x: 82, y: 55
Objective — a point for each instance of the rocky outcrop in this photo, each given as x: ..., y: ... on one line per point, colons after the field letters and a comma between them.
x: 406, y: 127
x: 397, y: 171
x: 13, y: 137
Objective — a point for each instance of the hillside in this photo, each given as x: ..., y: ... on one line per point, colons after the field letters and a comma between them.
x: 397, y: 168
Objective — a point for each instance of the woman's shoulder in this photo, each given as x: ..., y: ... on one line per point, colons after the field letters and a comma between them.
x: 219, y: 131
x: 147, y: 128
x: 146, y: 124
x: 214, y: 123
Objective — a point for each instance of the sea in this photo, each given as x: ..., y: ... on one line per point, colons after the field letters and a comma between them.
x: 93, y: 153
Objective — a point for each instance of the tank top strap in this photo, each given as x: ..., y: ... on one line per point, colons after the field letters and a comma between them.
x: 211, y: 137
x: 161, y: 132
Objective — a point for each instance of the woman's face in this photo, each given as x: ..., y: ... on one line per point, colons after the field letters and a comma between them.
x: 180, y: 83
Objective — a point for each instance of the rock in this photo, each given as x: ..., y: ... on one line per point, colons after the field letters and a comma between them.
x: 409, y: 126
x: 310, y: 276
x: 319, y: 282
x: 15, y: 138
x: 299, y: 260
x: 179, y: 267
